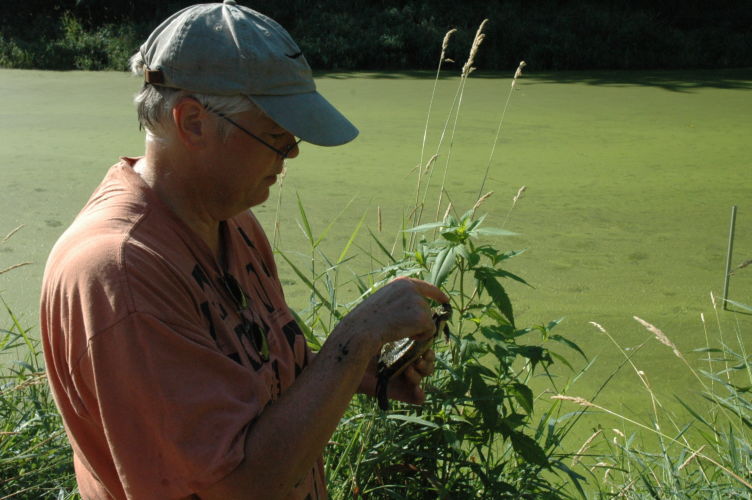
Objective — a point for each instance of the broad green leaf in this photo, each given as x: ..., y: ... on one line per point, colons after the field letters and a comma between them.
x: 495, y: 333
x: 484, y: 400
x: 569, y: 343
x: 707, y: 349
x: 500, y: 273
x: 413, y: 420
x: 536, y: 354
x: 523, y: 395
x: 424, y: 227
x: 573, y: 476
x: 528, y: 449
x: 453, y: 236
x: 467, y: 215
x: 562, y: 359
x: 442, y: 266
x: 498, y: 294
x: 490, y: 231
x: 514, y: 420
x: 306, y: 226
x: 493, y: 254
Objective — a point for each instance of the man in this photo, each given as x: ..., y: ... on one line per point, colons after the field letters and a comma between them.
x: 177, y: 367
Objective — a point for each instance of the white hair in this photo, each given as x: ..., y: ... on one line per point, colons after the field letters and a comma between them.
x: 154, y: 103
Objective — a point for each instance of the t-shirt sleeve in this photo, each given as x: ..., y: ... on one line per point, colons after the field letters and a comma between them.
x: 174, y: 410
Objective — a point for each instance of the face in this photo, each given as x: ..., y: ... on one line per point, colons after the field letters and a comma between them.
x: 245, y: 168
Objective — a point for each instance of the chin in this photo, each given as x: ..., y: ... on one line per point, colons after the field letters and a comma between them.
x: 259, y: 199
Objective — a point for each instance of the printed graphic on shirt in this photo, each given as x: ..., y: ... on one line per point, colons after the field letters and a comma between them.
x: 251, y: 333
x: 259, y: 288
x: 292, y: 331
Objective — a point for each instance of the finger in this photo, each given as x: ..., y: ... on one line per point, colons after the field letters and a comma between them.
x: 426, y: 365
x: 419, y: 395
x: 412, y: 375
x: 428, y: 290
x: 430, y: 356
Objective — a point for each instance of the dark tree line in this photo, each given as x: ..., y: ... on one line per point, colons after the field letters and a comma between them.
x: 407, y: 34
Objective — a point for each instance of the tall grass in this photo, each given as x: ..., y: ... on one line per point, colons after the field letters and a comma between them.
x: 702, y: 451
x: 477, y: 434
x: 35, y: 458
x: 482, y: 432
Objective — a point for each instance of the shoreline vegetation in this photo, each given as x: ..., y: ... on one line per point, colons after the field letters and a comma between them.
x: 398, y: 35
x: 483, y: 432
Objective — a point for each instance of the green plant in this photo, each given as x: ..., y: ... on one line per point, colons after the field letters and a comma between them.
x: 475, y: 435
x: 700, y: 451
x: 35, y: 457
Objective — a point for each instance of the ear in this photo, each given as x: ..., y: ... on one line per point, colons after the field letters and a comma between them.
x: 191, y: 123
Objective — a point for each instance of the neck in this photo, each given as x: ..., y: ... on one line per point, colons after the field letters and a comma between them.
x: 170, y: 182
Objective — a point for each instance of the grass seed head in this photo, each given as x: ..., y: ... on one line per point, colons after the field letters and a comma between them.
x: 578, y: 400
x: 481, y: 200
x: 445, y: 43
x: 659, y: 335
x: 479, y: 37
x: 598, y: 326
x: 518, y: 73
x: 585, y: 446
x: 431, y: 161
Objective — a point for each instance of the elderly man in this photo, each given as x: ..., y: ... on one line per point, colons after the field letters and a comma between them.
x: 176, y: 364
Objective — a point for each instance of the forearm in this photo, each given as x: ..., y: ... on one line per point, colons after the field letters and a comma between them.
x: 284, y: 442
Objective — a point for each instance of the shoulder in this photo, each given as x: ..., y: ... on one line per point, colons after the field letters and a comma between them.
x: 99, y: 272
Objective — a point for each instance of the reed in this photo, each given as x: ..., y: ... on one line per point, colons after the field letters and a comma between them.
x: 467, y: 68
x: 701, y: 454
x: 35, y: 457
x: 517, y: 74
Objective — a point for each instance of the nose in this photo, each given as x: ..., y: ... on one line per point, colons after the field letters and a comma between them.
x: 293, y: 150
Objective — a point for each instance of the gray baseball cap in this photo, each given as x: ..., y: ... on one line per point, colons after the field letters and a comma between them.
x: 229, y: 49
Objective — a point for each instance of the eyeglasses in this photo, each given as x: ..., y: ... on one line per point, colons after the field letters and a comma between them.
x: 250, y: 329
x: 283, y: 153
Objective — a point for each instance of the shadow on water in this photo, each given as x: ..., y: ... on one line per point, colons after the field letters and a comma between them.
x: 671, y: 80
x: 674, y: 81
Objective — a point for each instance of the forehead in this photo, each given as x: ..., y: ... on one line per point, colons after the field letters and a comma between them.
x: 259, y: 120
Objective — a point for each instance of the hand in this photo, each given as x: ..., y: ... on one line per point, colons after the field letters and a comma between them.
x: 406, y: 386
x: 396, y: 311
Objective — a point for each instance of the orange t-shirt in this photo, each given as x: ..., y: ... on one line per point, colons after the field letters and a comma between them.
x: 155, y: 368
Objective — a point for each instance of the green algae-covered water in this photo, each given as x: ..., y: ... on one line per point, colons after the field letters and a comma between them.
x: 630, y: 180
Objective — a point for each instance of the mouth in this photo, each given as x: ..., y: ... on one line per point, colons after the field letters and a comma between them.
x: 277, y: 173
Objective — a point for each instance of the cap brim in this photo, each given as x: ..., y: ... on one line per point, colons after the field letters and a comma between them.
x: 308, y: 116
